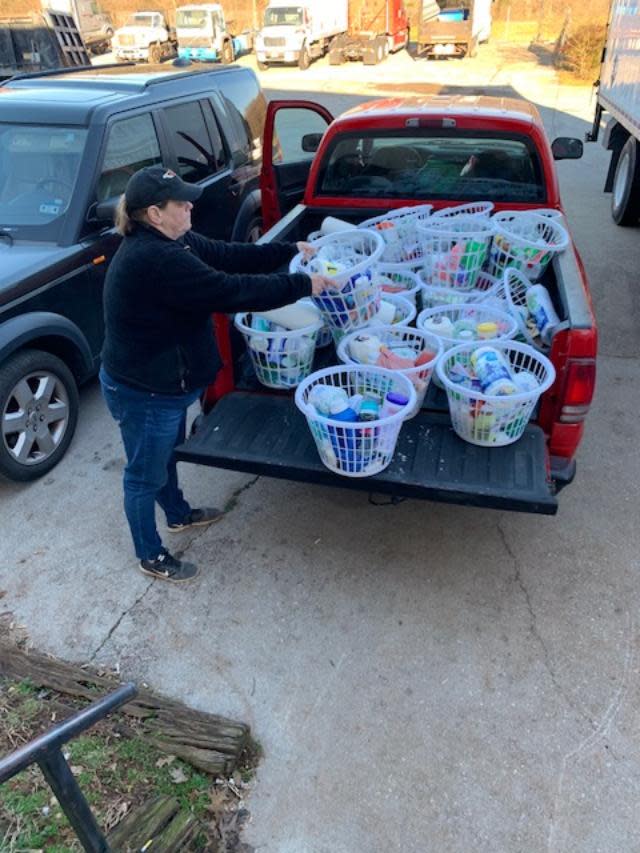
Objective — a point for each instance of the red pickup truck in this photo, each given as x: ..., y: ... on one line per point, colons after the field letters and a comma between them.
x: 427, y: 142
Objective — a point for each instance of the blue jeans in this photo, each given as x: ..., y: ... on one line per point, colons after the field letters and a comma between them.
x: 151, y: 426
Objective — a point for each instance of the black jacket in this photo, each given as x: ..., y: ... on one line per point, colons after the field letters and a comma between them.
x: 159, y: 294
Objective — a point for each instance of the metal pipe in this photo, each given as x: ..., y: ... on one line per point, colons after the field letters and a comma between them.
x: 72, y: 802
x: 41, y: 747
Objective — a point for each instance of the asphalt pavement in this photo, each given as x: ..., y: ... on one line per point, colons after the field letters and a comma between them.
x: 421, y: 677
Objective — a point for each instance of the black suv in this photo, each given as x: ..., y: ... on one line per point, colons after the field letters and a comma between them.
x: 69, y: 141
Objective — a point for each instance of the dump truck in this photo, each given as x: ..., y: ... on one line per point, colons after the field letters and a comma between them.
x: 40, y: 42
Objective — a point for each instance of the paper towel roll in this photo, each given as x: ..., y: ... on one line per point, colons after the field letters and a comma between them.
x: 331, y: 225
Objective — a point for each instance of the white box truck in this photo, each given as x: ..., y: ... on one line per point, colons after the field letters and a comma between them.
x: 619, y: 96
x: 299, y: 33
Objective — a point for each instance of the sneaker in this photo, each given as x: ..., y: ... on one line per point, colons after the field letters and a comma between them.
x: 166, y: 567
x: 197, y: 518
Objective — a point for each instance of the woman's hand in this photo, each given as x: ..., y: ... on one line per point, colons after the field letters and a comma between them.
x: 308, y: 249
x: 322, y: 282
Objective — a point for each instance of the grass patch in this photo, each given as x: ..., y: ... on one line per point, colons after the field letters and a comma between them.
x: 118, y: 769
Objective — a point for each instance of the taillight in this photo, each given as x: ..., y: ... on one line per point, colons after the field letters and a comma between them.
x: 577, y: 393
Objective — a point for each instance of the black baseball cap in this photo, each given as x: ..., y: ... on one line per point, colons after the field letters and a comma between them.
x: 155, y: 184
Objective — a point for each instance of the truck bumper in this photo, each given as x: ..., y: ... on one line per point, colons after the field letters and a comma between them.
x: 127, y: 53
x: 201, y: 54
x: 263, y: 434
x: 278, y: 55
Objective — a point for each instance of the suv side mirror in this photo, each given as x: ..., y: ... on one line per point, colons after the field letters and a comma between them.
x: 311, y: 142
x: 567, y: 148
x: 103, y: 212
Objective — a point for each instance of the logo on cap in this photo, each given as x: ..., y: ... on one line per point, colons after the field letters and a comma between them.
x: 169, y: 174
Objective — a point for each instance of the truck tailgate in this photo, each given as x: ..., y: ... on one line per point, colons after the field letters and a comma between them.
x: 266, y: 434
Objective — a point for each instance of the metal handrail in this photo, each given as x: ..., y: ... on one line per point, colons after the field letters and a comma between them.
x: 45, y: 750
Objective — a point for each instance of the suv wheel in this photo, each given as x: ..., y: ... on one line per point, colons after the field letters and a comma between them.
x: 255, y: 229
x: 38, y: 414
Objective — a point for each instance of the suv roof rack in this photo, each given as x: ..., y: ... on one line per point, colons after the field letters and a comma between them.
x: 161, y: 78
x: 52, y: 72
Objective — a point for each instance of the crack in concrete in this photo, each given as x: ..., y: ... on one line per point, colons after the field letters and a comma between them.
x: 612, y: 355
x: 229, y: 506
x: 232, y: 503
x: 534, y: 626
x: 116, y: 624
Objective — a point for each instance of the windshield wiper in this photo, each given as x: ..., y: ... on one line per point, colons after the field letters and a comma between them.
x: 7, y: 235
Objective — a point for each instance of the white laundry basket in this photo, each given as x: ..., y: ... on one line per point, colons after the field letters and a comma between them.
x: 450, y: 322
x: 354, y: 448
x: 486, y: 288
x: 397, y: 279
x: 455, y: 249
x: 398, y: 230
x: 472, y: 208
x: 349, y: 258
x: 491, y: 420
x: 324, y: 335
x: 405, y: 311
x: 405, y: 337
x: 281, y: 358
x: 526, y: 241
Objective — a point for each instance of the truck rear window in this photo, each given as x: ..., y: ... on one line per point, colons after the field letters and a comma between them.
x: 425, y: 165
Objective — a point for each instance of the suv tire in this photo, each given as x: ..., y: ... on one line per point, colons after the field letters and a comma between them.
x: 255, y: 229
x: 38, y: 395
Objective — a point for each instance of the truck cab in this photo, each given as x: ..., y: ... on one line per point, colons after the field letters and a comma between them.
x: 427, y: 144
x: 145, y: 36
x: 202, y: 33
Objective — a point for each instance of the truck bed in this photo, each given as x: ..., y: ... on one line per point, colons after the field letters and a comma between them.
x: 259, y: 431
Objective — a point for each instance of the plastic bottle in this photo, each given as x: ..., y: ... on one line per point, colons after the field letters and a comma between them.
x: 542, y: 310
x: 369, y: 408
x: 393, y: 403
x: 487, y: 330
x: 493, y: 372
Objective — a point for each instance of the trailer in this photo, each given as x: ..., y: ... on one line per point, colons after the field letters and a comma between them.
x: 618, y: 95
x: 452, y: 27
x: 375, y: 31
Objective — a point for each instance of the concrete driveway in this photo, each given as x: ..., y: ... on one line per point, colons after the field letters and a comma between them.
x: 421, y: 677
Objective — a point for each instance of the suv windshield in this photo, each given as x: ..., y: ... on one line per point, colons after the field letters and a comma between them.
x: 38, y: 170
x: 457, y: 167
x: 283, y: 15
